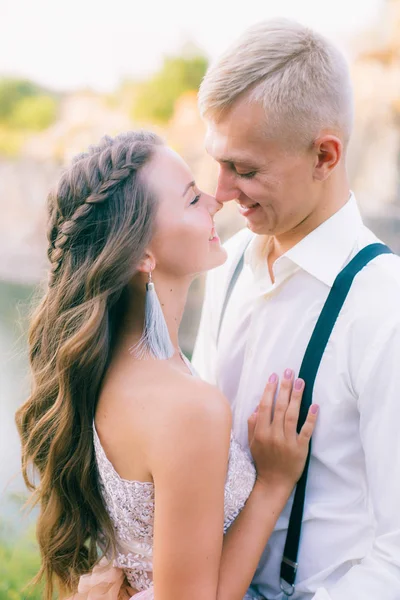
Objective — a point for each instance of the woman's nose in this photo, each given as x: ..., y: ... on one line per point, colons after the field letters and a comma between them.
x: 213, y: 205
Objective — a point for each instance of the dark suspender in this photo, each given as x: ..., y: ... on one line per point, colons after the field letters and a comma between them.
x: 308, y: 372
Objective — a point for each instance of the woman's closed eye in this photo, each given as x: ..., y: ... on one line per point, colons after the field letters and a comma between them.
x: 195, y: 200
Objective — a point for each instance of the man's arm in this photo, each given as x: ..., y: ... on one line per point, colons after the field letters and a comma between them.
x: 378, y: 574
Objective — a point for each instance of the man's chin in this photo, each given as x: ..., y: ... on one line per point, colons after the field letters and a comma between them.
x: 259, y: 228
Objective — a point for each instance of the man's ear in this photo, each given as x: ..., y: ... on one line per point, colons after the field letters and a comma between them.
x: 147, y: 264
x: 329, y: 151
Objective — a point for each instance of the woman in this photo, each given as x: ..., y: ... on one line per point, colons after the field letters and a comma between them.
x: 134, y: 452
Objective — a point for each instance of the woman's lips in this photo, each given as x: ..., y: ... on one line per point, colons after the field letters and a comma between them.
x: 214, y: 236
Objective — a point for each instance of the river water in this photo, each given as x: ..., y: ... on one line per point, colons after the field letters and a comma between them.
x: 14, y: 386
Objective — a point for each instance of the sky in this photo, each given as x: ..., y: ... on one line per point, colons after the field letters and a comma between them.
x: 95, y: 43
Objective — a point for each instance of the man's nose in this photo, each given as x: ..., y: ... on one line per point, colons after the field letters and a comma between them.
x: 226, y: 189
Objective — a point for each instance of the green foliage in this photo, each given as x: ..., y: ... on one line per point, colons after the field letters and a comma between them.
x: 24, y: 107
x: 155, y: 98
x: 19, y: 563
x: 34, y: 113
x: 12, y: 91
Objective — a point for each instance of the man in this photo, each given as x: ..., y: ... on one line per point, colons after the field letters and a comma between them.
x: 278, y: 107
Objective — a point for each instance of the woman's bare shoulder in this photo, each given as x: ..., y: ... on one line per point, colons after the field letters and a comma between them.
x: 159, y: 411
x: 169, y: 393
x: 195, y: 419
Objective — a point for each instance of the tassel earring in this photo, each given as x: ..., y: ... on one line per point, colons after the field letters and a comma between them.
x: 155, y: 340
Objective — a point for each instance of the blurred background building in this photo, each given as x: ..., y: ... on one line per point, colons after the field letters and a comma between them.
x: 69, y: 76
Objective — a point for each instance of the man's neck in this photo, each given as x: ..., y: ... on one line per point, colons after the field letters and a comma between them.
x: 280, y: 244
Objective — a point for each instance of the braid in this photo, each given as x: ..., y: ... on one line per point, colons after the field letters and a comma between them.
x: 93, y: 179
x: 65, y: 229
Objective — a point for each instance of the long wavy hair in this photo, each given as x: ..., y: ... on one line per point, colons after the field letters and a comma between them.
x: 101, y: 219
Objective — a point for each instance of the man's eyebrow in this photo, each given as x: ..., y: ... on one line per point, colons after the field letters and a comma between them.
x: 236, y: 160
x: 232, y: 159
x: 188, y: 186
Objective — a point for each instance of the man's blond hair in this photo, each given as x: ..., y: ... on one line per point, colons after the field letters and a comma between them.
x: 301, y: 79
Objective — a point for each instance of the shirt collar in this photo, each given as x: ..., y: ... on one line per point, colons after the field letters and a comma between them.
x: 322, y: 253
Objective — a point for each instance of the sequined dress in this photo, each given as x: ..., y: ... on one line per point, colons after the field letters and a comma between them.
x: 130, y: 505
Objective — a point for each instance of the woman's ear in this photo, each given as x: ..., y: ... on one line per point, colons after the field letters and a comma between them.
x: 329, y: 150
x: 147, y: 264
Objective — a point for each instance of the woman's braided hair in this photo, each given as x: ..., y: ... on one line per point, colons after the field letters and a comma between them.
x: 90, y: 182
x: 100, y: 222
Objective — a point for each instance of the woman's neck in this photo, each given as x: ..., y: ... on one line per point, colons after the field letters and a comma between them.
x: 172, y: 294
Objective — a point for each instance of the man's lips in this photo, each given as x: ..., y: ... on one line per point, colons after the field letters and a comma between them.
x: 248, y: 209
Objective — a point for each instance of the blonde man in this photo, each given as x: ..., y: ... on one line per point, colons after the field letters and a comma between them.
x: 278, y: 107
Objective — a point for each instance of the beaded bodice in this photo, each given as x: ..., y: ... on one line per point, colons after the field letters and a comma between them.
x: 130, y: 505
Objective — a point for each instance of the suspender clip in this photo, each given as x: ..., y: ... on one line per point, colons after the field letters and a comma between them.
x: 291, y: 569
x: 287, y: 588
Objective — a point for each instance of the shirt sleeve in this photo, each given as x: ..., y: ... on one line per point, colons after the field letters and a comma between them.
x: 205, y: 350
x: 378, y: 574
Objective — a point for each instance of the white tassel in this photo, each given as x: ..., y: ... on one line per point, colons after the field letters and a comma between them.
x: 155, y: 340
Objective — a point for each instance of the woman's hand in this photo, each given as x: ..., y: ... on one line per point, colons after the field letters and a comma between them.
x: 279, y: 452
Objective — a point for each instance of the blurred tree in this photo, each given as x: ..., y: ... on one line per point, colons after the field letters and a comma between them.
x: 11, y: 92
x: 25, y: 105
x: 155, y: 98
x: 34, y: 113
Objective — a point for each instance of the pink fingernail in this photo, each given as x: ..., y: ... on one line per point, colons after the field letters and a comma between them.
x: 298, y: 384
x: 288, y: 373
x: 314, y: 409
x: 273, y: 378
x: 256, y: 409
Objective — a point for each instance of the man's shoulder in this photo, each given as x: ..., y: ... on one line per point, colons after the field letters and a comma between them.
x: 234, y: 246
x: 379, y: 284
x: 238, y: 242
x: 384, y: 270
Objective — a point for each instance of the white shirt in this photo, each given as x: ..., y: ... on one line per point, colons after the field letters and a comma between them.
x: 350, y: 545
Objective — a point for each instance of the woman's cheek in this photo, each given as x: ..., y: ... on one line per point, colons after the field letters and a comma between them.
x: 200, y: 222
x: 183, y: 244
